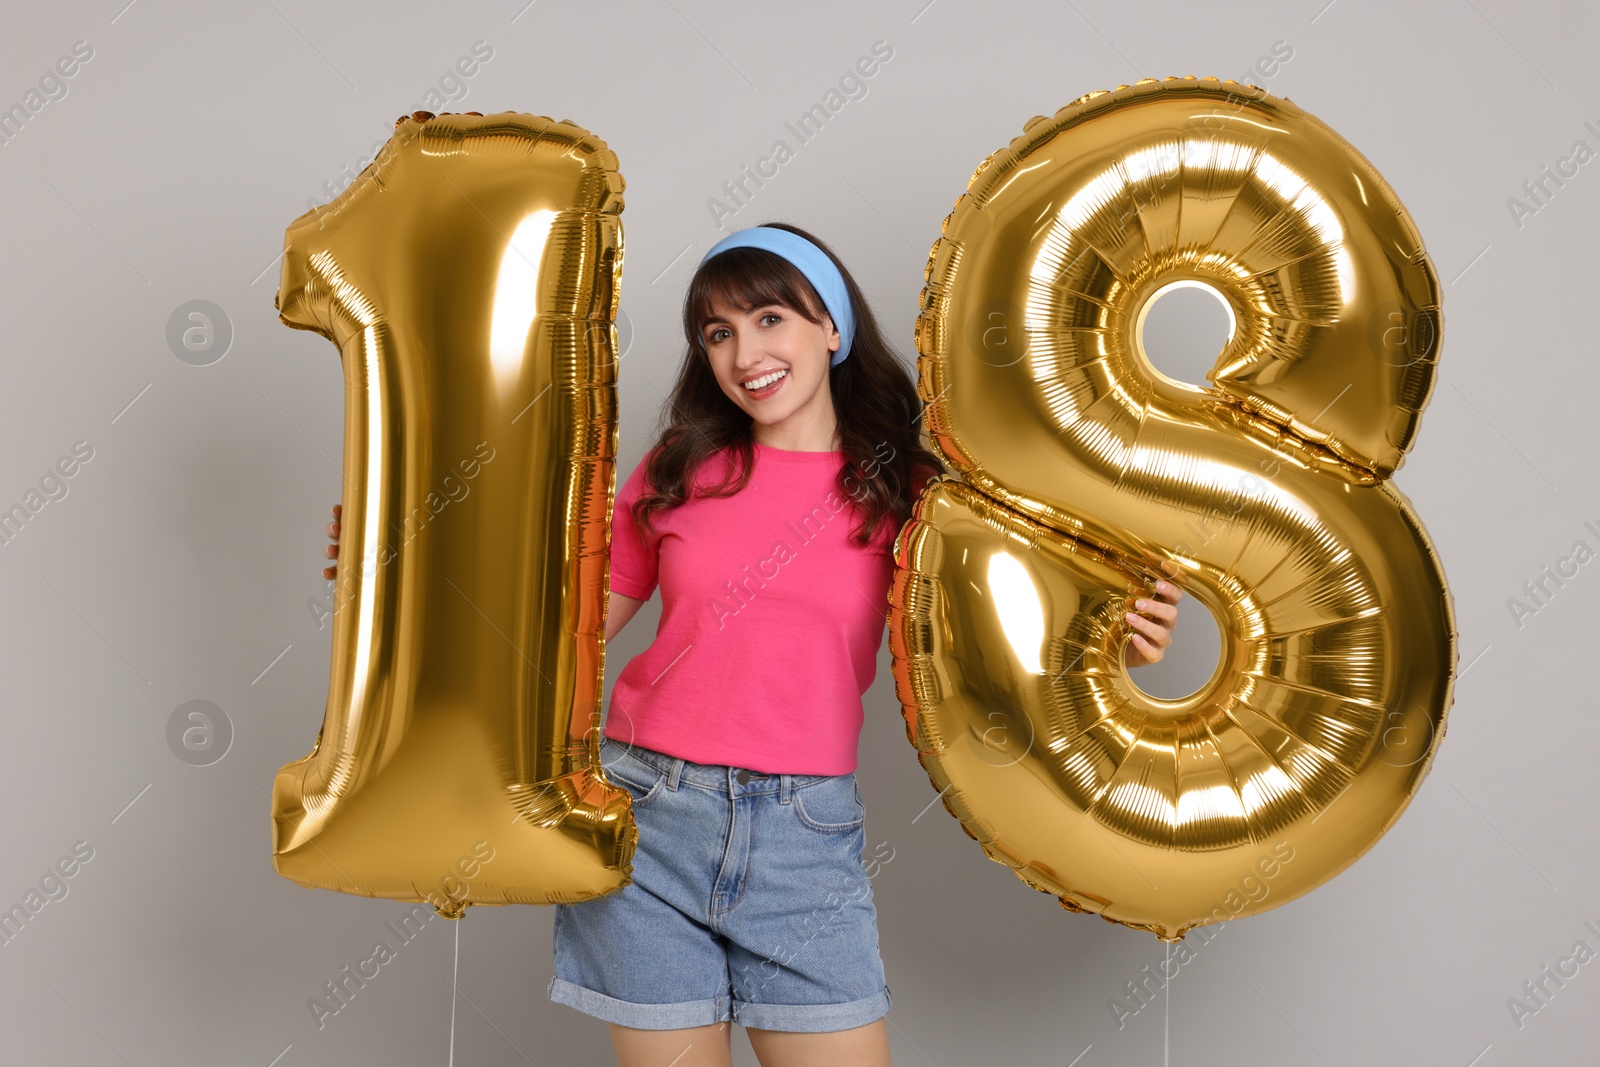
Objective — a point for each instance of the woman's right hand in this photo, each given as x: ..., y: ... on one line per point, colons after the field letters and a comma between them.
x: 332, y: 551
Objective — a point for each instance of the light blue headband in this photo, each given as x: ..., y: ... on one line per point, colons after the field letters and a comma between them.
x: 813, y: 262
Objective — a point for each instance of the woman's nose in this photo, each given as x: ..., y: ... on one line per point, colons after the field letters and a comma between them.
x: 746, y: 353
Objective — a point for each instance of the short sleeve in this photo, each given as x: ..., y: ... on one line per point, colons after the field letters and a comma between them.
x: 634, y: 560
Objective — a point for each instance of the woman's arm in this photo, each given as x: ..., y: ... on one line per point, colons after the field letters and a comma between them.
x: 619, y: 611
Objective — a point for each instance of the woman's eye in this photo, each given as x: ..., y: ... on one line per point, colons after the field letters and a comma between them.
x: 715, y: 335
x: 772, y: 315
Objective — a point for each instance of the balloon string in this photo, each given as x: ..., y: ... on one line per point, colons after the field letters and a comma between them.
x: 456, y: 977
x: 1166, y: 1010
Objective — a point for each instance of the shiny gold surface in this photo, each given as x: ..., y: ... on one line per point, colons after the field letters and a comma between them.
x: 1088, y: 475
x: 469, y: 279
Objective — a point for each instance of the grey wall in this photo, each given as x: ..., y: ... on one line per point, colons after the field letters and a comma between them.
x: 180, y: 563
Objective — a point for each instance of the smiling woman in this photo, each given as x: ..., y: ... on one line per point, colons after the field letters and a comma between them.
x: 792, y: 438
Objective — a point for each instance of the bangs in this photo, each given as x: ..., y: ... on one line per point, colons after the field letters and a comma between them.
x: 747, y: 278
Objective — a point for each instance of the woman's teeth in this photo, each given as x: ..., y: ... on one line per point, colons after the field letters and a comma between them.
x: 764, y: 381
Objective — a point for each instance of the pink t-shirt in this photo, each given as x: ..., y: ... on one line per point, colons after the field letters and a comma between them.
x: 771, y: 620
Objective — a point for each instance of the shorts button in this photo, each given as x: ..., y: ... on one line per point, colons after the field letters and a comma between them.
x: 744, y: 777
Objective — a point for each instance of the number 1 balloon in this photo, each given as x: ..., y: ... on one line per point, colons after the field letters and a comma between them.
x: 1087, y: 475
x: 469, y: 279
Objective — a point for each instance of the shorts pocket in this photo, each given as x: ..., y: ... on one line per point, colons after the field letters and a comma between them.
x: 832, y: 805
x: 642, y: 780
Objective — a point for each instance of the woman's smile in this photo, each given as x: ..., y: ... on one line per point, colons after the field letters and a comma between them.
x: 765, y: 385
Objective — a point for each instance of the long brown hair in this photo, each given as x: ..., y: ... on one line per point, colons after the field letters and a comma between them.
x: 874, y: 398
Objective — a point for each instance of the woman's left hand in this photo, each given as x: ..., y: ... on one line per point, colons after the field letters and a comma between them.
x: 1152, y: 636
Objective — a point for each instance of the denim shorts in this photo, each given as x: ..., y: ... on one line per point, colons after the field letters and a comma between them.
x: 749, y: 903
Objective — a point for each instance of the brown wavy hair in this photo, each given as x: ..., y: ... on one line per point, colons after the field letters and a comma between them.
x: 874, y: 399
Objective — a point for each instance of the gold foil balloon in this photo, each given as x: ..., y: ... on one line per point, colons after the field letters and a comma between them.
x: 469, y: 279
x: 1087, y: 475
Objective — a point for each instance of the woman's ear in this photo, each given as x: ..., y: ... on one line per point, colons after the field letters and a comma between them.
x: 833, y: 333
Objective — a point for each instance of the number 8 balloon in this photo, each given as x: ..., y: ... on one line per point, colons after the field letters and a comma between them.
x: 1087, y: 475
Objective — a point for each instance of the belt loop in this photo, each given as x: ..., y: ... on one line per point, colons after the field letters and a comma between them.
x: 785, y: 788
x: 675, y: 773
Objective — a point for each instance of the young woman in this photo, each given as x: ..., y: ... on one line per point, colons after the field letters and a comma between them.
x: 785, y: 463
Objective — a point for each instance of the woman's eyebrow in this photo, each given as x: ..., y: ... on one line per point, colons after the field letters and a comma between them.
x: 711, y: 319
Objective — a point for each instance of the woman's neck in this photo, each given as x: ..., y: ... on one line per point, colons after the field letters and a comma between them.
x: 819, y: 434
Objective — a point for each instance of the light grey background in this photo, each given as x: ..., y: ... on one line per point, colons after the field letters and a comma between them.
x: 180, y: 563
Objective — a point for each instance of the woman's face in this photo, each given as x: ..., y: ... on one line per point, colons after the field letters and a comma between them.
x: 755, y: 345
